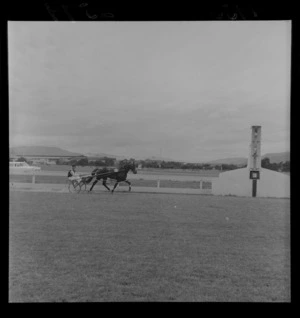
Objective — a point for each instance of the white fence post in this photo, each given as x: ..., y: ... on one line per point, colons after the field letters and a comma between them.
x: 33, y: 177
x: 158, y: 183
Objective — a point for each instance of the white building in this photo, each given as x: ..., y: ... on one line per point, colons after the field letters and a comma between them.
x: 43, y: 161
x: 237, y: 182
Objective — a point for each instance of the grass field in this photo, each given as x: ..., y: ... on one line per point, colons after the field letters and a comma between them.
x: 147, y: 247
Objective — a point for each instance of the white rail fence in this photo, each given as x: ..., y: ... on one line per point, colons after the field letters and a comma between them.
x: 205, y: 182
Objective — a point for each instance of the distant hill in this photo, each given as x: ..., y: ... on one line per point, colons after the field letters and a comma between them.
x: 238, y: 161
x: 41, y: 151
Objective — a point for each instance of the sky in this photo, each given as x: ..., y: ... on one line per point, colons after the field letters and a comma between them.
x: 186, y: 90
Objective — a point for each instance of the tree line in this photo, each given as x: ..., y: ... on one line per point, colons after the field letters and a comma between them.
x: 265, y: 163
x: 185, y: 166
x: 281, y: 166
x: 101, y: 162
x: 157, y: 164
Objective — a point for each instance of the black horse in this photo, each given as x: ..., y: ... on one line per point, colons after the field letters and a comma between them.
x: 119, y: 176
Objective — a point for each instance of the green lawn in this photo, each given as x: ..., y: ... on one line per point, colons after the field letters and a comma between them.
x: 147, y: 247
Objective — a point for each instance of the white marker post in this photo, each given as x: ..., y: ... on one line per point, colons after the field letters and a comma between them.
x: 158, y: 178
x: 254, y: 162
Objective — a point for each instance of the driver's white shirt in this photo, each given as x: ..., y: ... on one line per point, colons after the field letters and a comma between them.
x: 75, y: 175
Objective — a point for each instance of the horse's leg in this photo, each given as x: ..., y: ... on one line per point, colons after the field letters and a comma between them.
x: 112, y: 191
x: 129, y: 184
x: 104, y: 183
x: 93, y: 185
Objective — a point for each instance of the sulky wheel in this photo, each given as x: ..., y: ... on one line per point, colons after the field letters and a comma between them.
x: 82, y: 186
x: 74, y: 187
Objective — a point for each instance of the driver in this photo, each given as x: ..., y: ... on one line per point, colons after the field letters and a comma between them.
x: 73, y: 175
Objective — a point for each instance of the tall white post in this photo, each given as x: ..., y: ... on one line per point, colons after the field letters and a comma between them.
x: 254, y: 161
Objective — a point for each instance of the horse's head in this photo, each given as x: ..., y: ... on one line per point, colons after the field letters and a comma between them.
x: 94, y: 171
x: 130, y: 166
